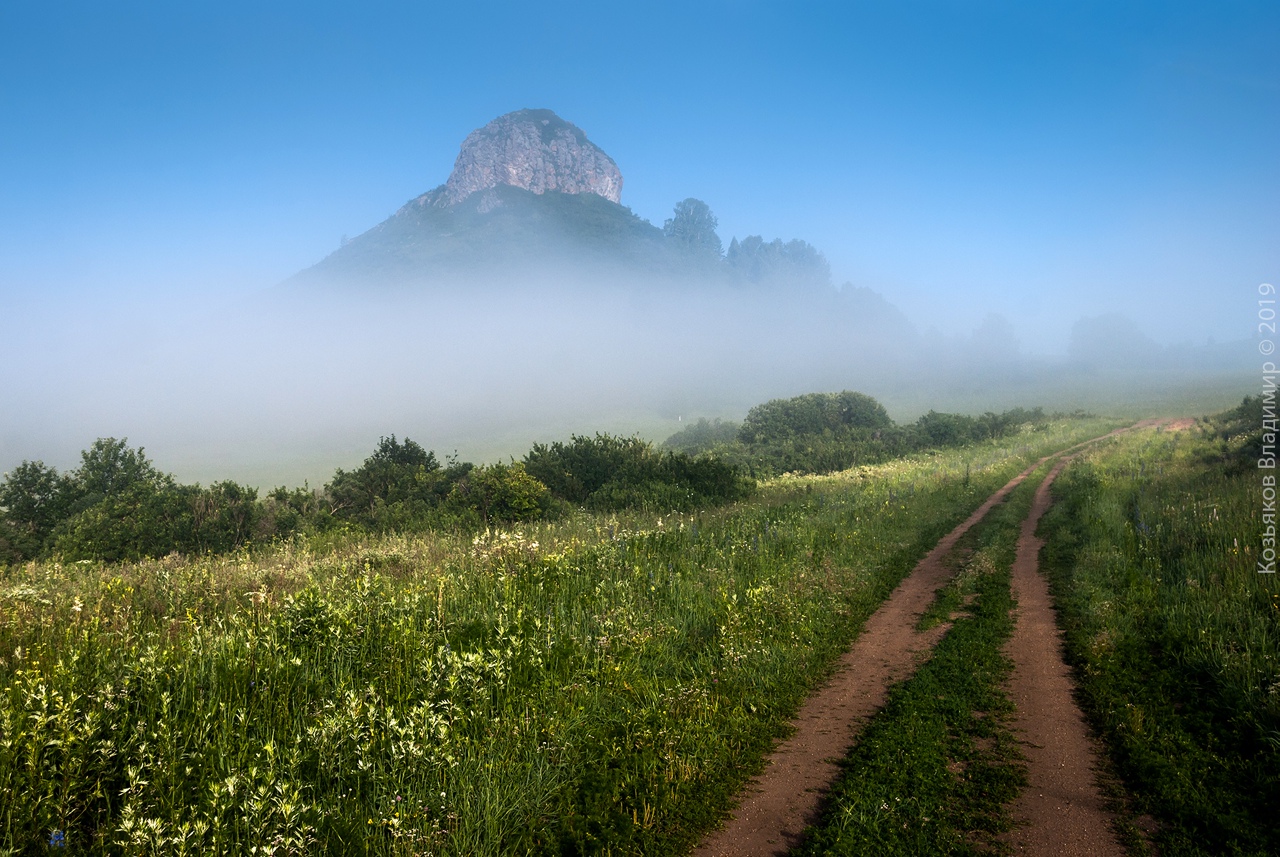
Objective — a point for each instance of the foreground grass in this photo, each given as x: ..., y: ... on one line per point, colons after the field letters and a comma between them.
x: 593, y: 686
x: 1175, y: 636
x: 934, y: 770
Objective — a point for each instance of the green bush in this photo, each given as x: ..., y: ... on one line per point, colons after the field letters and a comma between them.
x: 610, y: 473
x: 224, y: 517
x: 577, y: 470
x: 500, y: 494
x: 149, y: 519
x: 286, y: 511
x: 142, y: 520
x: 941, y: 430
x: 702, y: 436
x: 396, y: 488
x: 839, y: 414
x: 826, y: 432
x: 34, y: 499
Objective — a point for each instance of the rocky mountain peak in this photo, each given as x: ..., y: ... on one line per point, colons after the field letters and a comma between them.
x: 535, y: 150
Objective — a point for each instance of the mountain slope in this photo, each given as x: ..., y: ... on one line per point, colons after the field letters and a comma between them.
x: 493, y: 231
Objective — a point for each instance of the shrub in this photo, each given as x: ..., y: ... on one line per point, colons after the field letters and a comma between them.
x: 396, y: 488
x: 223, y: 517
x: 839, y: 414
x: 610, y: 473
x: 500, y: 494
x: 142, y: 520
x: 702, y: 436
x: 935, y: 429
x: 578, y: 469
x: 285, y: 511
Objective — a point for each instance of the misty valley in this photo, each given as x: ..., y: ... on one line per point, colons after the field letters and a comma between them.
x: 588, y: 536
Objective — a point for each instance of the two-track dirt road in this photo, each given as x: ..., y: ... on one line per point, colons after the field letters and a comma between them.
x: 1061, y: 811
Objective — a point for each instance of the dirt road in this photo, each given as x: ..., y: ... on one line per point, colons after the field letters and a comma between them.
x: 1061, y: 811
x: 777, y: 805
x: 784, y: 799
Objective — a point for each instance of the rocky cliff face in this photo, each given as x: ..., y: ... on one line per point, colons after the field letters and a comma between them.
x: 531, y: 149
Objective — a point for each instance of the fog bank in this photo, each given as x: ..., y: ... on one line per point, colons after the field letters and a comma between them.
x: 282, y: 387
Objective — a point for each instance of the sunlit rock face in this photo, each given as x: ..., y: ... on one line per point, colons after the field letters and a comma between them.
x: 535, y: 150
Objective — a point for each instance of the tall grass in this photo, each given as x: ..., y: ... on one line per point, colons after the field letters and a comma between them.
x: 599, y: 685
x: 1176, y: 635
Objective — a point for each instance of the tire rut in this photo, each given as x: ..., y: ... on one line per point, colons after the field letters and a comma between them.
x: 1061, y: 811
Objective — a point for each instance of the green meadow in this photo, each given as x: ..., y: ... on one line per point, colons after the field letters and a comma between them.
x: 601, y: 683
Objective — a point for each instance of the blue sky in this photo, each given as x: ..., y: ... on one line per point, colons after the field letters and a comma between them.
x: 1040, y: 160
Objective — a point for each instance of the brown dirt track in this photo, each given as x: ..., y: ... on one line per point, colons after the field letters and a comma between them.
x: 1061, y: 810
x: 1065, y: 816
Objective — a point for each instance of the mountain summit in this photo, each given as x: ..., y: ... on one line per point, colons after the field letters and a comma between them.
x: 535, y: 150
x: 532, y: 199
x: 528, y: 192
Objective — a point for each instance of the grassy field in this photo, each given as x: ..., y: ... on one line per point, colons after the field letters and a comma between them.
x: 601, y: 685
x: 1153, y: 550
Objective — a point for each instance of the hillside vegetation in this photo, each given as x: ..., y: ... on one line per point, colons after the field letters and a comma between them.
x: 119, y: 506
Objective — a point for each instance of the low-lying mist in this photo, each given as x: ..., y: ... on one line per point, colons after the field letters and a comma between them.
x: 285, y: 386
